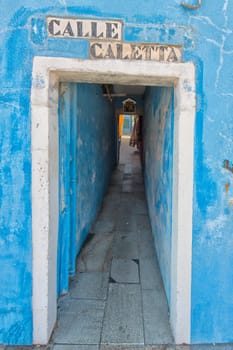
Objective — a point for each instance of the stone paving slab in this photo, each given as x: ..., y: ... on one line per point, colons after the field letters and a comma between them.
x: 90, y: 285
x: 122, y: 347
x: 107, y: 215
x: 111, y: 200
x: 150, y: 274
x: 156, y: 318
x: 171, y: 347
x: 135, y: 347
x: 96, y: 255
x: 123, y: 321
x: 124, y: 271
x: 132, y: 203
x: 141, y: 207
x: 75, y: 347
x: 115, y: 188
x: 145, y: 235
x: 103, y: 226
x: 127, y: 180
x: 125, y: 209
x: 127, y: 187
x: 129, y: 198
x: 127, y: 223
x: 79, y: 322
x: 116, y: 179
x: 35, y: 347
x: 128, y: 168
x: 125, y: 245
x: 143, y: 222
x: 146, y: 247
x: 210, y: 347
x: 138, y: 188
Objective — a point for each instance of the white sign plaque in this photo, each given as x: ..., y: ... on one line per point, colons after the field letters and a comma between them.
x: 84, y: 28
x: 105, y: 39
x: 135, y: 51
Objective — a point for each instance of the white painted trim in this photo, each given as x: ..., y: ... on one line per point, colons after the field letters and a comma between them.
x: 182, y: 208
x: 47, y: 72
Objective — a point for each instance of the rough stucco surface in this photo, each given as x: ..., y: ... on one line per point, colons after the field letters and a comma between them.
x: 207, y: 37
x: 95, y: 155
x: 158, y: 154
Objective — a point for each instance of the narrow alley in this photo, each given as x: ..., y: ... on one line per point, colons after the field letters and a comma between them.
x: 117, y: 296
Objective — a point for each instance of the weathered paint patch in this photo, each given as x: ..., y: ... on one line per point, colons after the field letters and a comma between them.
x: 96, y: 154
x: 87, y: 158
x: 66, y: 114
x: 15, y: 219
x: 158, y: 160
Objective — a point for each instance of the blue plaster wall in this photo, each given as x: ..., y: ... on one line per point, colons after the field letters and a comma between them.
x: 67, y: 116
x: 87, y: 158
x: 158, y: 162
x: 96, y: 154
x: 207, y: 38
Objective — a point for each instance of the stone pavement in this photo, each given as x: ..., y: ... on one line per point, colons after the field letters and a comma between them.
x: 117, y: 297
x: 128, y: 347
x: 116, y: 300
x: 118, y: 347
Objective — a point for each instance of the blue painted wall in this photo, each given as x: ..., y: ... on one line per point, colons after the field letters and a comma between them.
x: 87, y: 158
x: 67, y: 115
x: 96, y: 154
x: 158, y: 162
x: 207, y: 38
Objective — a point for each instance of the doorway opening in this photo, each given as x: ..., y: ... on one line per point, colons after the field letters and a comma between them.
x: 47, y: 73
x: 130, y: 127
x: 117, y: 295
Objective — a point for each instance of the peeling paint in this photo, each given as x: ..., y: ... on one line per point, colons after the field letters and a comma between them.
x: 95, y: 157
x: 158, y: 149
x: 38, y: 82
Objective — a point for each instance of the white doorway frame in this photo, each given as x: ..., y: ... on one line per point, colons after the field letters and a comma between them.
x: 46, y: 75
